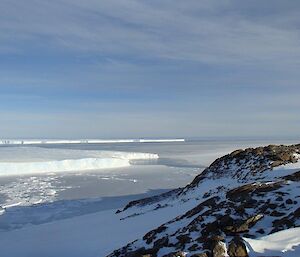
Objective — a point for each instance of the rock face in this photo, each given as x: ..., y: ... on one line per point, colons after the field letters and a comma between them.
x: 237, y: 248
x: 235, y: 197
x: 219, y: 249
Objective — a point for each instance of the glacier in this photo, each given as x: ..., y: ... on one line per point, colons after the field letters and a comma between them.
x: 85, y: 141
x: 36, y: 160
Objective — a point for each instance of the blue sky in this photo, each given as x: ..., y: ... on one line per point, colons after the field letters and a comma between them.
x: 116, y: 69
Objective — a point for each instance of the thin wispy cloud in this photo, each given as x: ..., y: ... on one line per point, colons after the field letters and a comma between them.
x: 196, y: 31
x: 203, y: 58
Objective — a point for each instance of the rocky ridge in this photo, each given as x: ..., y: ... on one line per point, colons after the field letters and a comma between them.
x: 247, y: 193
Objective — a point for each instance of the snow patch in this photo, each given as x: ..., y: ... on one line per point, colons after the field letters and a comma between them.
x: 284, y: 243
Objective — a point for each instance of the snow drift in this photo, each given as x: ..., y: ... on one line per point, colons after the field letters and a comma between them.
x: 283, y: 243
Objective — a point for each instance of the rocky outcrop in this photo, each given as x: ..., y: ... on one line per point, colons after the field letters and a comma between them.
x: 151, y: 200
x: 242, y: 165
x: 219, y: 249
x: 237, y: 248
x: 248, y: 194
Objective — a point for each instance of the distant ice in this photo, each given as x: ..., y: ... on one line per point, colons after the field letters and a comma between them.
x: 35, y: 160
x: 85, y: 141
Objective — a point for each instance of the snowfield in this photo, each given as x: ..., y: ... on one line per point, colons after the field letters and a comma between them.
x: 285, y: 243
x: 92, y: 235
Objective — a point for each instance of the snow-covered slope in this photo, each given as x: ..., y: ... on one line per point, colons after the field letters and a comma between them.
x: 237, y: 168
x: 285, y: 243
x: 248, y: 193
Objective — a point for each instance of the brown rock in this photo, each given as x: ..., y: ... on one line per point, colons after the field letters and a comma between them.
x: 219, y: 249
x: 160, y: 243
x: 251, y: 221
x: 237, y: 248
x: 285, y: 156
x: 294, y: 177
x: 179, y: 254
x: 244, y: 192
x: 183, y: 239
x: 194, y: 247
x: 142, y: 252
x: 243, y: 225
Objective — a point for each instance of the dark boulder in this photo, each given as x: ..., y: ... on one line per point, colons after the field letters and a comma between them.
x: 176, y: 254
x: 240, y: 226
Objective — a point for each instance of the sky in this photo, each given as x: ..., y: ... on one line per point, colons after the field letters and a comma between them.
x: 159, y: 68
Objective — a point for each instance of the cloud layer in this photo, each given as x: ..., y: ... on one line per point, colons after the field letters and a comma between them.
x: 158, y: 64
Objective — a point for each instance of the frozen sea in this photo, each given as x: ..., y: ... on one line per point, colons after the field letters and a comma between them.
x: 46, y: 182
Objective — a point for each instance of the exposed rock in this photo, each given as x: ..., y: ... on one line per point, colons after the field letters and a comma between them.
x: 293, y: 177
x: 150, y: 200
x: 183, y: 239
x: 251, y: 221
x: 219, y: 249
x: 176, y: 254
x: 150, y: 236
x: 160, y: 243
x: 194, y: 248
x: 237, y: 248
x: 200, y: 255
x: 243, y: 225
x: 242, y: 193
x: 139, y: 253
x: 260, y: 231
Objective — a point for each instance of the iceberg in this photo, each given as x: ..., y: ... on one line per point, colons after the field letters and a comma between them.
x: 36, y: 160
